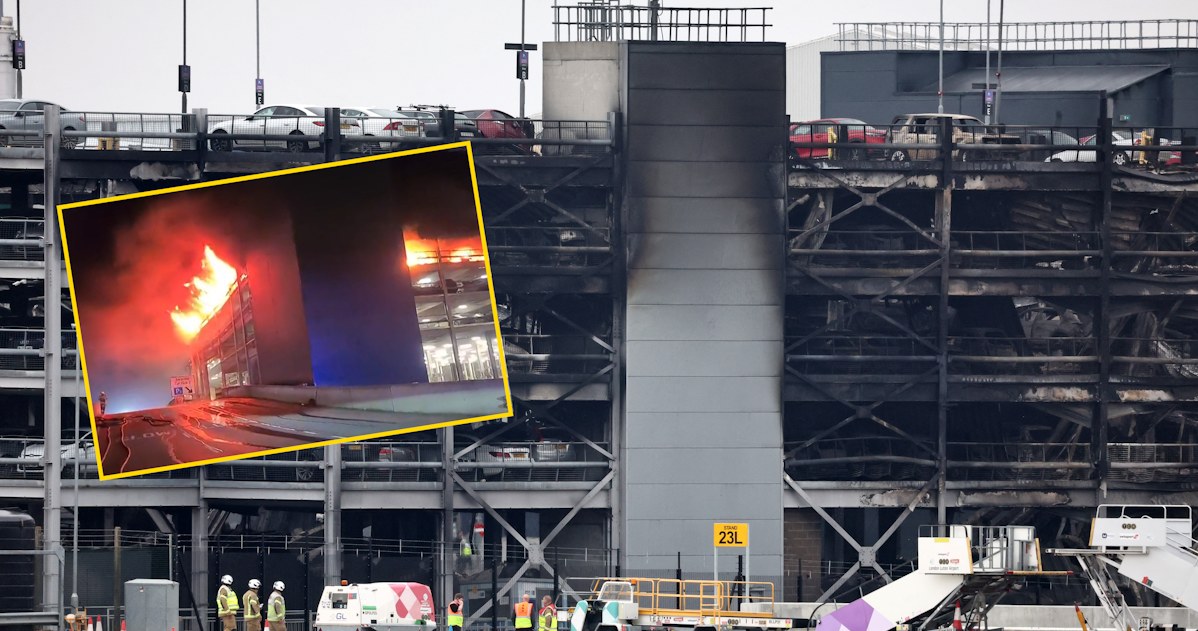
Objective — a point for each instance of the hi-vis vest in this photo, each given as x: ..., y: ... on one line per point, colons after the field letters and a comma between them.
x: 252, y: 608
x: 523, y: 615
x: 454, y: 618
x: 226, y: 601
x: 466, y: 551
x: 275, y: 608
x: 548, y: 618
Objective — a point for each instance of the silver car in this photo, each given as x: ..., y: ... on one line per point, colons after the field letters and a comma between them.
x: 26, y: 115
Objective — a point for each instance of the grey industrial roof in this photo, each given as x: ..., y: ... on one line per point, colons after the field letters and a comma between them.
x: 1052, y: 78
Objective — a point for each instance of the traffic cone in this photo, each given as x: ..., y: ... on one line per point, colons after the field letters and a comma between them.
x: 90, y: 624
x: 99, y: 623
x: 122, y: 624
x: 957, y: 617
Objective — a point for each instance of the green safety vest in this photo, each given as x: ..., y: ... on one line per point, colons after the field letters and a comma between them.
x: 455, y: 619
x: 466, y: 549
x: 276, y: 608
x: 226, y: 601
x: 523, y: 615
x: 548, y: 619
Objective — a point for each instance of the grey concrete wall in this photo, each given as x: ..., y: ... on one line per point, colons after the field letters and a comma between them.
x: 581, y: 80
x: 704, y: 222
x: 875, y: 86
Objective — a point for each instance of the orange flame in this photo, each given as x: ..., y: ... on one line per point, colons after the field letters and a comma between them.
x: 209, y: 291
x: 424, y: 251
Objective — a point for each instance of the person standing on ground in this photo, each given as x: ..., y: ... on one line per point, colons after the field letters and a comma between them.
x: 226, y: 602
x: 276, y: 608
x: 455, y: 620
x: 547, y: 617
x: 523, y: 613
x: 253, y: 609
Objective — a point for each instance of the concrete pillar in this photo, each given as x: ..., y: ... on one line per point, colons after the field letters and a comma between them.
x: 52, y: 473
x: 332, y: 514
x: 200, y: 586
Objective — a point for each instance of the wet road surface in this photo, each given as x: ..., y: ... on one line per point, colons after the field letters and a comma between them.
x: 204, y: 430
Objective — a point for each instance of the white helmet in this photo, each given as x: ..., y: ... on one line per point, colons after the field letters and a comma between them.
x: 255, y: 583
x: 279, y: 586
x: 226, y: 580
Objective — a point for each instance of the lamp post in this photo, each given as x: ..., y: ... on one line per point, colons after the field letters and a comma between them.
x: 75, y: 521
x: 259, y: 84
x: 940, y: 81
x: 184, y: 69
x: 521, y: 49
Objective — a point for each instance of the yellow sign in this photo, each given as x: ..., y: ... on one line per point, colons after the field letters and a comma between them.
x: 731, y: 536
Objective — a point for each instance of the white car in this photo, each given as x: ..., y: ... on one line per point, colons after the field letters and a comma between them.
x: 1089, y: 155
x: 83, y: 451
x: 380, y: 121
x: 273, y: 120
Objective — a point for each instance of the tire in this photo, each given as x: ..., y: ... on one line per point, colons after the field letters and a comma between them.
x: 1120, y: 158
x: 899, y: 155
x: 297, y: 146
x: 219, y: 144
x: 305, y: 474
x: 69, y: 143
x: 965, y: 156
x: 856, y: 152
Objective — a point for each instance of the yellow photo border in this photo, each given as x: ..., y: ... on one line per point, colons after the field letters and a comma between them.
x: 91, y: 412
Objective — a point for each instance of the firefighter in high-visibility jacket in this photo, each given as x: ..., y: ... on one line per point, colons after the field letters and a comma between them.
x: 276, y: 608
x: 523, y: 611
x: 226, y: 604
x: 547, y: 617
x: 253, y: 608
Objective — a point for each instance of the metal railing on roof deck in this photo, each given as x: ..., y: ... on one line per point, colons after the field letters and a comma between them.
x: 612, y: 21
x: 1019, y: 36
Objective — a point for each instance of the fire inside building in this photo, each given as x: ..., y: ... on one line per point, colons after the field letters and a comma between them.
x: 227, y: 350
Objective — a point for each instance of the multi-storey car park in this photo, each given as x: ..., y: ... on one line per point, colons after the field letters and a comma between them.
x: 699, y: 328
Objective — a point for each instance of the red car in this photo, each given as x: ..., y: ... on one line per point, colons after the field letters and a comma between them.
x: 817, y: 132
x: 497, y: 124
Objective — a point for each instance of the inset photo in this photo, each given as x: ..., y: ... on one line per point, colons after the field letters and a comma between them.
x: 277, y: 311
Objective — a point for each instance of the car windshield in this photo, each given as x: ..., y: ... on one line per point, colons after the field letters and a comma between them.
x: 318, y: 111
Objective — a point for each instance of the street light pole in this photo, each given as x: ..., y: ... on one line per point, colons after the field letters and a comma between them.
x: 20, y: 87
x: 986, y: 89
x: 940, y: 83
x: 75, y: 524
x: 522, y: 3
x: 184, y: 92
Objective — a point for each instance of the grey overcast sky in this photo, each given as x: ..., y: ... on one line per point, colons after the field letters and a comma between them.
x: 121, y: 55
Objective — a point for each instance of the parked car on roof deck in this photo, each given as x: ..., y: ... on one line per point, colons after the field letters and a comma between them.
x: 377, y: 121
x: 29, y: 115
x: 466, y: 128
x: 275, y: 120
x: 970, y: 136
x: 817, y: 131
x: 497, y: 124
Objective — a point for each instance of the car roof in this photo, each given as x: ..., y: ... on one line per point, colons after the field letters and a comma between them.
x: 938, y: 115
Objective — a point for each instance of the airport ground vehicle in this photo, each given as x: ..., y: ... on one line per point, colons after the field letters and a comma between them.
x: 924, y: 129
x: 1150, y: 545
x: 641, y: 604
x: 375, y: 607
